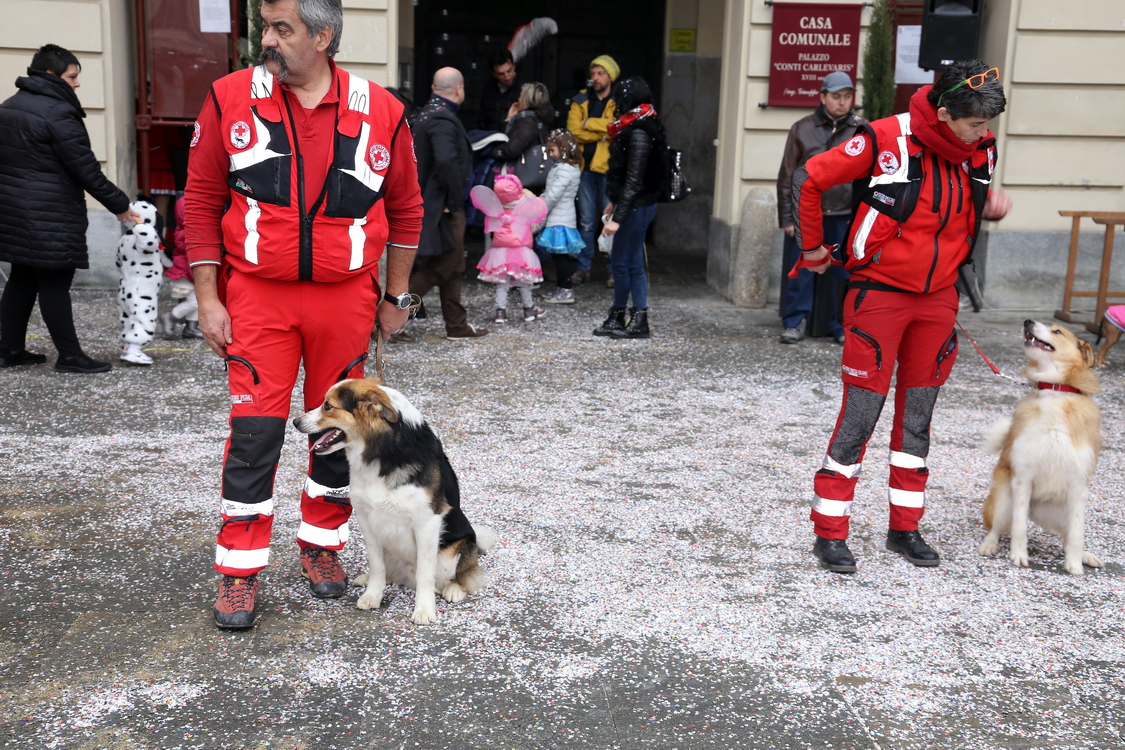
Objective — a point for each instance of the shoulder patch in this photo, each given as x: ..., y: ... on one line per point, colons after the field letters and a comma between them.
x: 855, y: 146
x: 580, y: 98
x: 380, y: 157
x: 888, y: 162
x: 195, y: 135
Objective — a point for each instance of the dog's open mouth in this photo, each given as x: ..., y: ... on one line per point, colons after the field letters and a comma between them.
x: 327, y: 441
x: 1030, y: 340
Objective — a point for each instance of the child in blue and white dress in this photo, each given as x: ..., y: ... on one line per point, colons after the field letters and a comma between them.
x: 560, y: 235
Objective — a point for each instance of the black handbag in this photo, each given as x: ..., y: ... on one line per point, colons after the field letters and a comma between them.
x: 532, y: 166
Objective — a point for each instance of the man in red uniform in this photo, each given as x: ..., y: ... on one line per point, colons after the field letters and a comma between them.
x: 300, y: 174
x: 926, y: 178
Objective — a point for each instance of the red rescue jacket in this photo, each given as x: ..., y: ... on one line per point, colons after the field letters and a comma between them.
x: 918, y: 214
x: 271, y: 228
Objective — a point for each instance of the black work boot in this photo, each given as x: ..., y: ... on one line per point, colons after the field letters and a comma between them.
x: 913, y: 547
x: 834, y: 555
x: 637, y: 328
x: 614, y: 322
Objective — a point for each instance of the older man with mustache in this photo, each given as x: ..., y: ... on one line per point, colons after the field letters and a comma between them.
x: 300, y: 175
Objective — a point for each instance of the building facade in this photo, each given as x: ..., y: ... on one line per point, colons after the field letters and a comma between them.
x: 1061, y: 140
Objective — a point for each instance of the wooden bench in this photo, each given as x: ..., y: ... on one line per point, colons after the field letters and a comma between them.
x: 1111, y: 220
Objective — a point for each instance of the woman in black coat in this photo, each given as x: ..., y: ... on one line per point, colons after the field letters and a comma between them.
x: 634, y: 183
x: 529, y: 118
x: 46, y: 165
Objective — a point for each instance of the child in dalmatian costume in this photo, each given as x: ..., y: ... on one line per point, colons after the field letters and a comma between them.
x: 140, y: 261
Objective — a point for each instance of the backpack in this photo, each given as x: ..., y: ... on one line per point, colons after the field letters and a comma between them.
x: 675, y: 187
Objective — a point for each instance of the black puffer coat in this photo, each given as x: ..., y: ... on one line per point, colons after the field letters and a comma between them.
x: 45, y: 165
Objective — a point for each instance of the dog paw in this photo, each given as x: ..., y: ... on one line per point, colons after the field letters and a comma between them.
x: 370, y: 599
x: 1073, y: 567
x: 1020, y: 559
x: 360, y: 580
x: 988, y: 547
x: 453, y: 593
x: 1090, y: 560
x: 424, y: 615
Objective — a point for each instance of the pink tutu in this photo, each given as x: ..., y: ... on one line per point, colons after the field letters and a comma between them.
x: 520, y: 265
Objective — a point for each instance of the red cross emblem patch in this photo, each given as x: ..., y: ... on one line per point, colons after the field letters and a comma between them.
x: 380, y: 157
x: 888, y: 162
x: 240, y: 134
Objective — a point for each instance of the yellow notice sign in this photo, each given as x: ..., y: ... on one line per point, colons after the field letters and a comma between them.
x: 682, y: 40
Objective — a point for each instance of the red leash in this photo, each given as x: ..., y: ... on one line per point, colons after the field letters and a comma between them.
x: 802, y: 263
x: 988, y: 361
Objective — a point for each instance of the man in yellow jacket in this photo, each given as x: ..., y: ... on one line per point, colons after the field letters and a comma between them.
x: 591, y: 112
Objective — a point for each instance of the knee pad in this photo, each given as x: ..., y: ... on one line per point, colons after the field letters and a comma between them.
x: 861, y: 413
x: 918, y: 408
x: 251, y: 460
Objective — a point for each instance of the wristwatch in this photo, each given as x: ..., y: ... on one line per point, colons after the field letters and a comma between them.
x: 402, y: 301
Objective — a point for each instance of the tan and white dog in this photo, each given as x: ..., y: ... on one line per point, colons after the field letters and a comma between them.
x: 1048, y: 450
x: 404, y: 495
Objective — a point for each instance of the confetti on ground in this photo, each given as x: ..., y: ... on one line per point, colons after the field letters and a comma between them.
x: 652, y: 584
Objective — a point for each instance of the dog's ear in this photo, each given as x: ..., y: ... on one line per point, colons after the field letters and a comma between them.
x: 1088, y: 353
x: 373, y: 406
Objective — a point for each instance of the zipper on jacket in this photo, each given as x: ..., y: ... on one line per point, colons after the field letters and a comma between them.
x: 944, y: 219
x: 305, y: 246
x: 874, y: 345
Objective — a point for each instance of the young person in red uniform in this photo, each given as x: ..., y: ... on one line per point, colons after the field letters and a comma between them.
x: 300, y: 174
x: 924, y: 188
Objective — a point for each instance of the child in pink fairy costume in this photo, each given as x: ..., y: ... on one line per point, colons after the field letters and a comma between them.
x: 510, y: 213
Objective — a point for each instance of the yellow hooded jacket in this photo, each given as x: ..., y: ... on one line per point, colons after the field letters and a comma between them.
x: 586, y: 129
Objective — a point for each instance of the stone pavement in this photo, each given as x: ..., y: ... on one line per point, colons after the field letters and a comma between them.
x: 652, y: 585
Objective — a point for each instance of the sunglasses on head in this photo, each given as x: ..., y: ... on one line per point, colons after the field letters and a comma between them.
x: 974, y: 82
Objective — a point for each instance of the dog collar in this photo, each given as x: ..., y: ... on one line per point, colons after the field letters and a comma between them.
x: 1056, y: 387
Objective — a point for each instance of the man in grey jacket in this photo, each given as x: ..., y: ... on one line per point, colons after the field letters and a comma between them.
x: 833, y: 123
x: 444, y: 164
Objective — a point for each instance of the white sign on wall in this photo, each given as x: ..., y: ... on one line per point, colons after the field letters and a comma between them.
x: 907, y: 42
x: 214, y: 16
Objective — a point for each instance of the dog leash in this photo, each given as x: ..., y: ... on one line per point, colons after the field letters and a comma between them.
x: 988, y: 361
x: 380, y: 344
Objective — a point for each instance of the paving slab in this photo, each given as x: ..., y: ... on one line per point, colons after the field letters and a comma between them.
x: 652, y: 584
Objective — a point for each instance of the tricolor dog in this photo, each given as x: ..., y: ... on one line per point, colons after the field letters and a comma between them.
x: 1048, y: 450
x: 404, y: 495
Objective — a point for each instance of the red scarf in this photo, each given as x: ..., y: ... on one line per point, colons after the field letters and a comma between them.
x: 935, y: 134
x: 614, y: 128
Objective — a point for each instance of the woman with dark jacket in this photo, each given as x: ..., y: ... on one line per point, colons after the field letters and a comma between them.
x: 529, y: 118
x: 46, y: 164
x: 634, y: 184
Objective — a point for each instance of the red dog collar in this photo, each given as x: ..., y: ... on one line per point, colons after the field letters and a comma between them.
x: 1056, y: 387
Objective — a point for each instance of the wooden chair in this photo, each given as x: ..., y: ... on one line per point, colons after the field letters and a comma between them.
x: 1111, y: 220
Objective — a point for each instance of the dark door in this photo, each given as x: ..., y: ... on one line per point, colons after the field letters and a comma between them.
x: 460, y: 34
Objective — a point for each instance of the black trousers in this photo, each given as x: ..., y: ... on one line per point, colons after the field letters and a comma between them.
x: 444, y: 271
x: 52, y: 287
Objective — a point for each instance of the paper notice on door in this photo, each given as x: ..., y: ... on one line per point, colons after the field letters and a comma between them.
x: 214, y: 16
x: 908, y: 40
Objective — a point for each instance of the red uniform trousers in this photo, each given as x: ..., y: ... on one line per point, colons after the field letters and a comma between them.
x: 275, y: 326
x: 883, y: 328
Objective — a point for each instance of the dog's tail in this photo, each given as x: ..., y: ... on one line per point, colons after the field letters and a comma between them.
x: 486, y: 537
x: 994, y: 440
